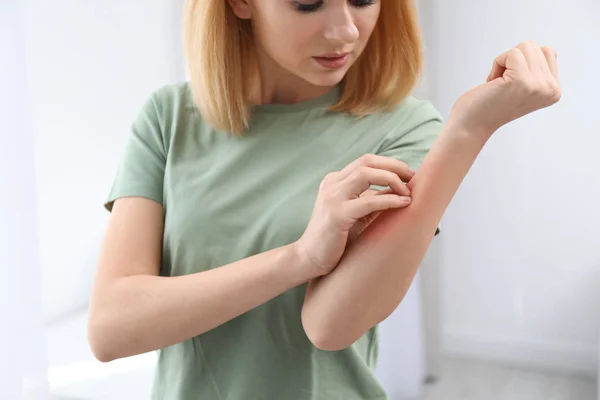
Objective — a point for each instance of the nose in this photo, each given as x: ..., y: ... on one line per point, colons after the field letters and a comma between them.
x: 340, y: 26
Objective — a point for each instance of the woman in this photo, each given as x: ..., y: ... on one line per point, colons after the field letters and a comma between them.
x: 267, y: 215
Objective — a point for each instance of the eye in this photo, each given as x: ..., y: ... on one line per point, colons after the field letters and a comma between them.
x: 362, y: 3
x: 308, y: 7
x: 312, y: 7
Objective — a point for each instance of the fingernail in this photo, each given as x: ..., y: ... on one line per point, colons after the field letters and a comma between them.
x: 411, y: 171
x: 405, y: 199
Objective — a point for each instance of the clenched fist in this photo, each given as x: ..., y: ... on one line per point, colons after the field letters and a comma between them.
x: 522, y: 80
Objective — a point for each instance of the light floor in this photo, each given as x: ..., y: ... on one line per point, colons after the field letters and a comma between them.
x: 470, y: 380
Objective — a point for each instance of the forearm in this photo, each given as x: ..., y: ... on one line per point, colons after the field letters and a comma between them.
x: 377, y: 269
x: 144, y: 313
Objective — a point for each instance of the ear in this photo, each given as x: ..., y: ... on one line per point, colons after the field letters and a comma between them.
x: 241, y: 8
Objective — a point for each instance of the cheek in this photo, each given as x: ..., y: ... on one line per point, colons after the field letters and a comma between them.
x: 287, y: 43
x: 366, y: 21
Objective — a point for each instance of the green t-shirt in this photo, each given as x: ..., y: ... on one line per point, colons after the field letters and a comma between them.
x: 226, y: 198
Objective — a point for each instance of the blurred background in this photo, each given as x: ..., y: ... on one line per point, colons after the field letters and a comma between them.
x: 506, y: 304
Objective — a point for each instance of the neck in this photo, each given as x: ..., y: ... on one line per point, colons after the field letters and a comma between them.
x: 274, y: 85
x: 289, y: 93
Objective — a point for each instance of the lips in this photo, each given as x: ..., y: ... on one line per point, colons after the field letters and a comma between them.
x: 333, y: 61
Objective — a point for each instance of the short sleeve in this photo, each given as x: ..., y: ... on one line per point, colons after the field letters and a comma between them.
x: 413, y: 135
x: 142, y: 167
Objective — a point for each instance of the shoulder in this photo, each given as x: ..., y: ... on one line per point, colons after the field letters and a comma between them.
x: 408, y: 130
x: 172, y: 98
x: 411, y: 113
x: 168, y: 108
x: 413, y: 120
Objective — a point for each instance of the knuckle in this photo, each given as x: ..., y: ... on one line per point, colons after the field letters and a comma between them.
x: 527, y: 44
x: 361, y: 172
x: 367, y: 159
x: 327, y: 180
x: 531, y: 43
x: 557, y: 96
x: 515, y: 51
x: 553, y: 92
x: 548, y: 50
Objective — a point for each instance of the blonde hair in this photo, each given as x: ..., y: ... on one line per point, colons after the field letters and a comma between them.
x: 222, y: 69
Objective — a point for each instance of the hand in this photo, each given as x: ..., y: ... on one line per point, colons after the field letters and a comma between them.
x: 365, y: 221
x: 523, y: 79
x: 339, y: 206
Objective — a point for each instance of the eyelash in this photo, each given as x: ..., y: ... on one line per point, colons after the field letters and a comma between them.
x: 310, y: 8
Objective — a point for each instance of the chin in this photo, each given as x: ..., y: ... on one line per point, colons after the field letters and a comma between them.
x: 330, y: 78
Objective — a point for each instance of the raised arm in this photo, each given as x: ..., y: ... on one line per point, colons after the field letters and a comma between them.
x: 376, y: 271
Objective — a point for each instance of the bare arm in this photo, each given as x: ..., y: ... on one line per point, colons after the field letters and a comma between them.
x: 133, y: 310
x: 377, y: 269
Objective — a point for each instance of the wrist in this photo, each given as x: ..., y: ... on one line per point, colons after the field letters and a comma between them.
x: 302, y: 265
x: 470, y: 131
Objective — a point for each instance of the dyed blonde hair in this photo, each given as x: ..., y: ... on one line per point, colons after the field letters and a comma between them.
x: 222, y: 69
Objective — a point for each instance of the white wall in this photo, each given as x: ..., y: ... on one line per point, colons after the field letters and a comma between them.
x: 91, y: 64
x: 521, y: 254
x: 23, y: 362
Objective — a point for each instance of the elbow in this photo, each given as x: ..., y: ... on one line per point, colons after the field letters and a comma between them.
x: 322, y: 341
x: 323, y: 337
x: 103, y: 357
x: 99, y: 339
x: 327, y: 344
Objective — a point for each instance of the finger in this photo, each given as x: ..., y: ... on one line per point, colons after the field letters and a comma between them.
x: 375, y: 192
x: 513, y: 59
x: 361, y: 207
x: 551, y: 58
x: 372, y: 217
x: 384, y: 191
x: 530, y: 50
x: 543, y: 62
x: 363, y: 177
x: 380, y: 162
x: 496, y: 72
